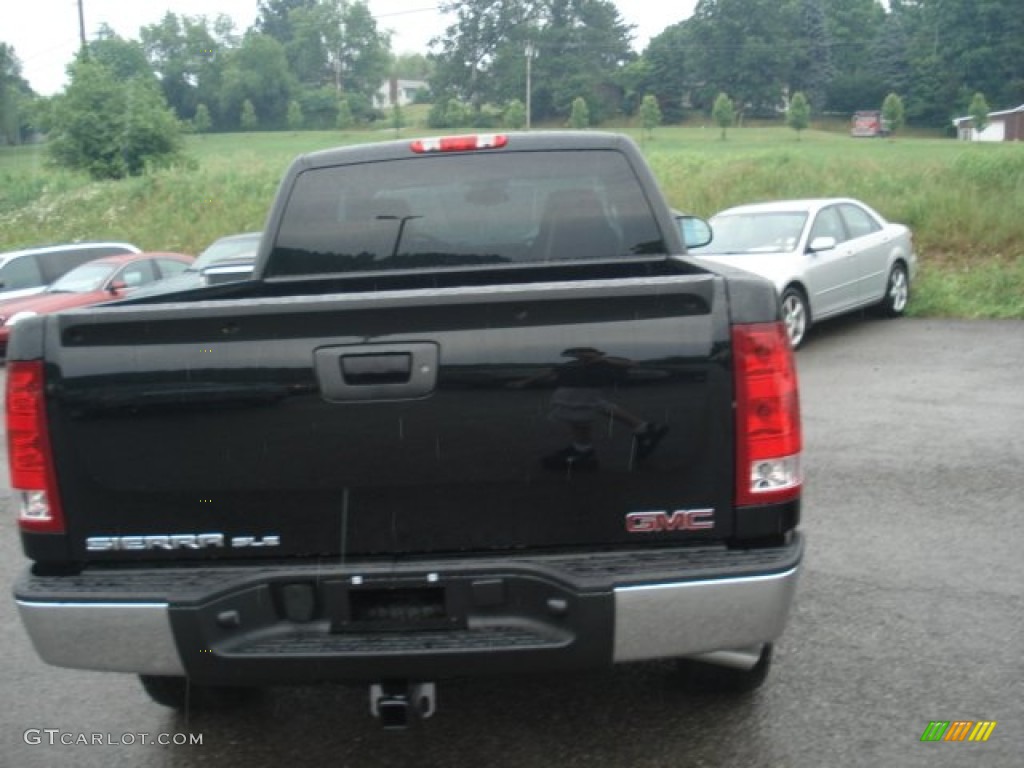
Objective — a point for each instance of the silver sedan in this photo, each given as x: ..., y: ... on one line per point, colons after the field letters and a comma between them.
x: 825, y: 256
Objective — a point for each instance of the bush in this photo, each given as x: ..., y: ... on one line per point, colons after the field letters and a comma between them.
x: 485, y: 120
x: 248, y: 120
x: 650, y: 114
x: 319, y: 108
x: 344, y: 120
x: 515, y: 115
x: 448, y: 113
x: 362, y: 108
x: 579, y: 118
x: 202, y: 122
x: 112, y: 128
x: 798, y: 116
x: 723, y: 112
x: 295, y: 119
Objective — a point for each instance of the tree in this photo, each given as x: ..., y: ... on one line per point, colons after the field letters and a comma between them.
x: 892, y: 113
x: 577, y: 48
x: 448, y: 112
x: 633, y: 81
x: 669, y: 78
x: 811, y: 66
x: 978, y: 111
x: 515, y: 115
x: 397, y: 119
x: 295, y: 118
x: 126, y: 59
x: 582, y: 45
x: 319, y: 107
x: 15, y: 97
x: 930, y: 100
x: 852, y: 27
x: 888, y: 66
x: 579, y: 117
x: 188, y: 55
x: 741, y: 47
x: 111, y: 128
x: 650, y: 115
x: 980, y: 45
x: 358, y: 53
x: 248, y: 120
x: 344, y: 120
x: 456, y: 113
x: 306, y: 44
x: 798, y: 116
x: 478, y: 47
x: 275, y: 20
x: 723, y: 113
x: 412, y: 66
x: 202, y: 122
x: 257, y: 71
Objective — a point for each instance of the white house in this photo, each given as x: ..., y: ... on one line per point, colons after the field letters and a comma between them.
x: 1007, y: 125
x: 400, y: 92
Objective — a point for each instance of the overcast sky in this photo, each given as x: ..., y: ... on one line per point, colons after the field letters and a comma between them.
x: 44, y: 33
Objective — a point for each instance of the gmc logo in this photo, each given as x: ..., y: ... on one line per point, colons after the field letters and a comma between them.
x: 680, y: 520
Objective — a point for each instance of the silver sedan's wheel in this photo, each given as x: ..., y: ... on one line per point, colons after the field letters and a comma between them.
x: 897, y: 292
x: 795, y: 315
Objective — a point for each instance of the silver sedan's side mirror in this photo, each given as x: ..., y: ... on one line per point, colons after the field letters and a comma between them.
x: 821, y: 244
x: 694, y: 230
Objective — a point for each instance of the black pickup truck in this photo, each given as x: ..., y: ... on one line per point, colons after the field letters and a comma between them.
x: 475, y: 413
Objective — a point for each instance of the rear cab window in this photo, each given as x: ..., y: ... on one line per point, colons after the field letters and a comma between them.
x: 480, y: 209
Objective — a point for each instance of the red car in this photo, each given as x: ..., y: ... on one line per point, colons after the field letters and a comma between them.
x: 95, y: 282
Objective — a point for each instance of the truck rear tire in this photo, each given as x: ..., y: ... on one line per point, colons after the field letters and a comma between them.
x: 179, y: 693
x: 703, y: 677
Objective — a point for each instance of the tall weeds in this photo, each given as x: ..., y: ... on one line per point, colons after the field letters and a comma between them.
x: 962, y: 201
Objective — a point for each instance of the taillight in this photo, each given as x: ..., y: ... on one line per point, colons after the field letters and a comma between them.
x: 28, y: 449
x: 768, y: 433
x: 466, y: 143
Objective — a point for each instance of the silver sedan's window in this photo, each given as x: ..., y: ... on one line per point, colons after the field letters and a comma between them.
x: 829, y: 224
x: 858, y: 221
x: 756, y: 232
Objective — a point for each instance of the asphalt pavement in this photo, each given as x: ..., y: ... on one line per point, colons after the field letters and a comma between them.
x: 910, y: 610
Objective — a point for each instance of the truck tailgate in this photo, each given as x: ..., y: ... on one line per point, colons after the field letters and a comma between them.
x: 419, y: 421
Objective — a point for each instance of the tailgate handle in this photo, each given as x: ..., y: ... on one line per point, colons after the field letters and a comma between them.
x: 367, y: 370
x: 360, y: 372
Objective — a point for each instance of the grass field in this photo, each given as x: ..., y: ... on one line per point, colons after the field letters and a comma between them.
x: 962, y: 201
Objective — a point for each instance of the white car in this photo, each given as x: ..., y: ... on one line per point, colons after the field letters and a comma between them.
x: 826, y: 256
x: 31, y: 270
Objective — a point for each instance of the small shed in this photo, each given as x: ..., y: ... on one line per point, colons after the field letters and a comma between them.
x: 1006, y: 125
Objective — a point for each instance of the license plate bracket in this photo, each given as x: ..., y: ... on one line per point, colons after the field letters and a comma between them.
x: 393, y: 608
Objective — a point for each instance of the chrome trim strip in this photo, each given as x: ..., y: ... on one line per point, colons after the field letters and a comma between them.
x: 661, y: 621
x: 116, y: 637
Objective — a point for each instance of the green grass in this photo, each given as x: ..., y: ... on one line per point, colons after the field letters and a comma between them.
x: 962, y: 201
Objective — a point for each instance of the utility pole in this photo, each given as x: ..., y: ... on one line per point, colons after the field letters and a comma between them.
x: 530, y: 50
x: 81, y: 23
